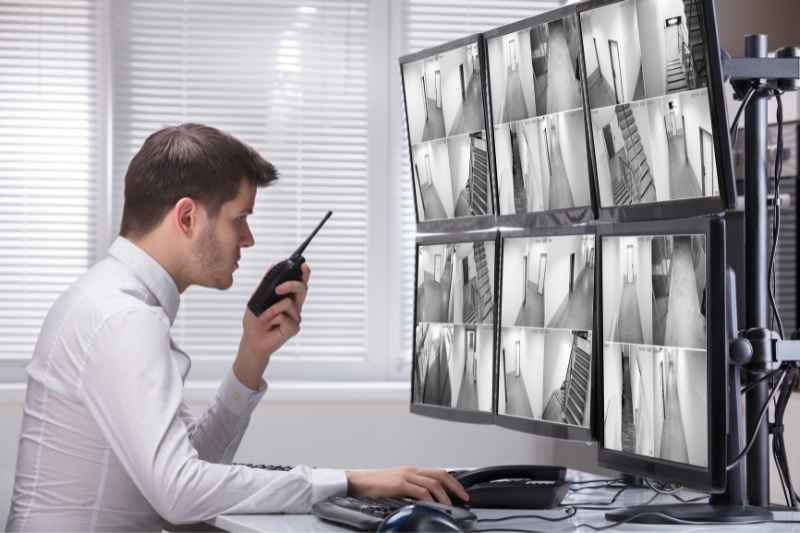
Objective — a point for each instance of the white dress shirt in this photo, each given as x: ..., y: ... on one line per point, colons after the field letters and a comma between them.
x: 107, y: 442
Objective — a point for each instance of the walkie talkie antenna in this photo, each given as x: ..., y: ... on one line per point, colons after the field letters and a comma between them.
x: 302, y: 247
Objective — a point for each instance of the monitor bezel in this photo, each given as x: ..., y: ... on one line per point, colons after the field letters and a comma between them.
x: 689, y: 207
x: 713, y: 477
x: 458, y: 224
x: 533, y: 426
x: 439, y: 411
x: 550, y: 217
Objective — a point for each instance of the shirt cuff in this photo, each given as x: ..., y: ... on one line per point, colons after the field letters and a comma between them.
x: 326, y: 483
x: 238, y: 398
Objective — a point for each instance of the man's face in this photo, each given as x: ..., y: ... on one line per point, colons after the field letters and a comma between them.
x: 218, y: 247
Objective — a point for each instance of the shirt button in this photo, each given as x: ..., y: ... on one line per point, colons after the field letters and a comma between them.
x: 237, y: 396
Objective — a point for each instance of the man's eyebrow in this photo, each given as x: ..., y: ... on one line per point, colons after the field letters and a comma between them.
x: 249, y: 211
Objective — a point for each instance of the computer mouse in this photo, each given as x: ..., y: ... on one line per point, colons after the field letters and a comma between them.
x: 427, y: 516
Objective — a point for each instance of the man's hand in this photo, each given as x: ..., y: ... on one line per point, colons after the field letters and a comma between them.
x: 263, y: 335
x: 427, y: 484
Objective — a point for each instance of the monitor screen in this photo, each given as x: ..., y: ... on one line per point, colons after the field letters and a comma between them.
x: 537, y: 116
x: 454, y: 331
x: 655, y: 366
x: 443, y: 92
x: 546, y: 317
x: 650, y: 103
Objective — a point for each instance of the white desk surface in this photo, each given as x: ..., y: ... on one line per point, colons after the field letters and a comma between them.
x: 310, y: 523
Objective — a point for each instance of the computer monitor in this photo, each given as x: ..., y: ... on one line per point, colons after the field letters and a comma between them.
x: 539, y: 130
x: 656, y: 110
x: 663, y: 356
x: 545, y: 349
x: 454, y: 327
x: 443, y: 90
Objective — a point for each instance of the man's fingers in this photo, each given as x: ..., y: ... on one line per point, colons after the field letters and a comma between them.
x: 285, y: 305
x: 417, y: 492
x: 285, y: 324
x: 434, y: 487
x: 294, y: 289
x: 447, y: 480
x: 306, y: 270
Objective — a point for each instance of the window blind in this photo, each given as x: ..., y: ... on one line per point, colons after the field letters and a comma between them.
x: 48, y: 162
x: 429, y: 23
x: 289, y: 79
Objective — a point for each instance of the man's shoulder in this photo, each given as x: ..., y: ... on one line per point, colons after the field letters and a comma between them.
x: 106, y: 290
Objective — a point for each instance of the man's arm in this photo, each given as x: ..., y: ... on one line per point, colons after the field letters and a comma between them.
x: 134, y: 391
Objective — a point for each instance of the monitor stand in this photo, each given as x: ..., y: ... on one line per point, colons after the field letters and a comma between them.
x: 678, y: 513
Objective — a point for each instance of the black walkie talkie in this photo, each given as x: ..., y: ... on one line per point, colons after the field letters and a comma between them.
x: 286, y: 270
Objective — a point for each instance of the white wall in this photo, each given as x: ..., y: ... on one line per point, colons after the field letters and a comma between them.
x: 612, y: 284
x: 601, y: 117
x: 557, y: 347
x: 587, y: 30
x: 498, y: 76
x: 659, y: 157
x: 412, y: 73
x: 513, y: 290
x: 526, y: 71
x: 644, y: 288
x: 612, y: 396
x: 440, y: 170
x: 556, y: 287
x: 695, y: 108
x: 651, y: 27
x: 642, y: 116
x: 455, y: 366
x: 572, y: 138
x: 505, y: 172
x: 458, y: 153
x: 451, y: 84
x: 691, y: 367
x: 642, y: 362
x: 537, y: 184
x: 532, y: 367
x: 484, y: 343
x: 616, y: 22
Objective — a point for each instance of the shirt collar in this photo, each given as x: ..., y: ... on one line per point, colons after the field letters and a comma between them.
x: 150, y: 272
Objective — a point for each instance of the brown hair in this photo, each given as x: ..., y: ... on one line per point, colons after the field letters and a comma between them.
x: 190, y: 160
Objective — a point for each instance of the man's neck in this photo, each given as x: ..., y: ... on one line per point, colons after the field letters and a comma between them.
x: 157, y: 247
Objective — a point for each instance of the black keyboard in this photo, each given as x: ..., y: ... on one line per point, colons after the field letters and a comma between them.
x: 364, y: 514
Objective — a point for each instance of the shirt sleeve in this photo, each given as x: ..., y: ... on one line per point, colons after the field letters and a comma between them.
x: 133, y: 389
x: 217, y: 433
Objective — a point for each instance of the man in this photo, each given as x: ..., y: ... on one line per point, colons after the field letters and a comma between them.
x: 107, y: 442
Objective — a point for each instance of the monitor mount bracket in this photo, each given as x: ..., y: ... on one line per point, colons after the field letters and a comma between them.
x: 757, y: 350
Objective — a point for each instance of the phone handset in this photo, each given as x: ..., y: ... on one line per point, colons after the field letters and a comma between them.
x: 287, y: 270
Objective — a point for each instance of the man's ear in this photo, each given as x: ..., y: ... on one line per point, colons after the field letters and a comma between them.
x: 185, y: 215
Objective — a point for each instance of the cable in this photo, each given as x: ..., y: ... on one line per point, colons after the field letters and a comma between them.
x: 571, y: 511
x: 752, y: 384
x: 590, y: 504
x: 734, y: 131
x: 776, y: 218
x: 761, y: 416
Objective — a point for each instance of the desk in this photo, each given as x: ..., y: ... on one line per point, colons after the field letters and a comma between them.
x: 309, y: 523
